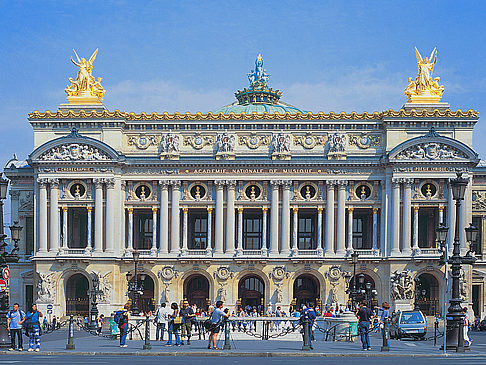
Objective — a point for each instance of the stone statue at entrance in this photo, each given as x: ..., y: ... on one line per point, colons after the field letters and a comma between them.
x: 401, y: 285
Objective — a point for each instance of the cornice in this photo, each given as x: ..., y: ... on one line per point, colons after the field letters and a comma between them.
x: 130, y: 116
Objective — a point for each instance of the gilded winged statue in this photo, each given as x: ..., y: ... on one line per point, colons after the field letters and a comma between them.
x: 85, y: 84
x: 424, y: 86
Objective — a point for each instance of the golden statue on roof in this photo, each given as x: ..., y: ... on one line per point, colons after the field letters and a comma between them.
x: 85, y: 89
x: 424, y: 89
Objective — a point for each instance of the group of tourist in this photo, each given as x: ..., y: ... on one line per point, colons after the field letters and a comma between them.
x: 18, y: 320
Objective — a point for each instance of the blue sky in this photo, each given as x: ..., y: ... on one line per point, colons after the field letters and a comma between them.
x: 192, y: 55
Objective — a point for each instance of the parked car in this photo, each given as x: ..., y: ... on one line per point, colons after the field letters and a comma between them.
x: 412, y: 324
x: 482, y: 325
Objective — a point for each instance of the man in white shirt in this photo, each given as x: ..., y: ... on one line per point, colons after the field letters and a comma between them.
x: 161, y: 317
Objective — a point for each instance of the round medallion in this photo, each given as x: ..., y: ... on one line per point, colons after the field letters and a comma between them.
x: 253, y: 140
x: 363, y: 191
x: 308, y: 192
x: 334, y: 273
x: 198, y: 192
x: 253, y: 192
x: 428, y: 190
x: 278, y: 273
x: 77, y: 190
x: 142, y: 191
x: 198, y: 141
x: 309, y: 140
x: 142, y: 141
x: 223, y: 273
x: 167, y: 273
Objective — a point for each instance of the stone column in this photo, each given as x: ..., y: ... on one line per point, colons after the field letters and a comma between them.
x: 441, y: 215
x: 54, y: 216
x: 130, y: 229
x: 154, y: 231
x: 329, y: 249
x: 274, y: 218
x: 295, y: 230
x: 42, y: 215
x: 375, y: 229
x: 175, y: 217
x: 415, y: 245
x: 451, y: 219
x: 286, y: 218
x: 385, y: 215
x: 164, y: 217
x: 14, y: 205
x: 395, y: 237
x: 98, y: 246
x: 341, y: 219
x: 350, y: 229
x: 209, y: 248
x: 240, y: 231
x: 219, y: 229
x: 110, y: 215
x: 264, y: 229
x: 184, y: 248
x: 320, y: 249
x: 121, y: 246
x: 463, y: 218
x: 89, y: 244
x: 407, y: 217
x: 230, y: 218
x: 64, y: 227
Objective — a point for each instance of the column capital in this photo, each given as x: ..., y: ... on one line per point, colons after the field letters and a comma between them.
x: 219, y: 184
x: 319, y: 210
x: 89, y: 208
x: 286, y: 184
x: 264, y: 209
x: 275, y: 184
x: 396, y: 182
x: 65, y: 209
x: 350, y: 209
x: 415, y: 208
x: 130, y: 210
x: 154, y: 209
x: 341, y: 183
x: 295, y: 209
x: 231, y: 184
x: 15, y: 194
x: 42, y: 182
x: 110, y: 183
x: 330, y: 183
x: 375, y: 210
x: 176, y: 184
x: 408, y: 182
x: 54, y: 183
x: 210, y: 209
x: 185, y: 210
x: 441, y: 208
x: 240, y: 210
x: 98, y: 182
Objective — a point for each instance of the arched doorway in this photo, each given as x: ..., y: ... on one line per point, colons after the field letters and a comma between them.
x: 146, y: 301
x: 77, y: 296
x: 196, y: 290
x: 306, y: 290
x: 364, y: 290
x: 427, y: 294
x: 251, y: 292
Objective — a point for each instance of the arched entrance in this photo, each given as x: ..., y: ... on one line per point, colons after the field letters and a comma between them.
x: 427, y: 294
x: 306, y: 290
x: 196, y: 290
x: 364, y: 289
x: 146, y: 301
x: 251, y: 292
x: 77, y: 297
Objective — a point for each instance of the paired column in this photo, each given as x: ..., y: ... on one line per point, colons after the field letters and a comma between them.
x: 407, y: 215
x: 240, y: 229
x: 175, y: 217
x: 110, y: 215
x: 54, y: 216
x: 164, y: 217
x: 209, y: 247
x: 264, y: 229
x: 329, y: 249
x: 286, y: 218
x: 219, y: 237
x: 154, y: 231
x: 230, y: 218
x: 295, y: 230
x: 415, y: 245
x: 395, y: 237
x: 64, y: 228
x: 98, y: 246
x: 341, y: 219
x: 184, y: 248
x: 350, y: 229
x: 89, y: 245
x: 375, y: 229
x: 274, y: 218
x: 319, y: 231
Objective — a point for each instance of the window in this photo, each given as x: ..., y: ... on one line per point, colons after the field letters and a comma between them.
x: 361, y: 230
x: 78, y: 227
x: 29, y: 297
x: 199, y: 231
x: 428, y: 221
x: 306, y: 234
x: 144, y: 230
x: 29, y: 235
x: 478, y: 223
x: 252, y: 231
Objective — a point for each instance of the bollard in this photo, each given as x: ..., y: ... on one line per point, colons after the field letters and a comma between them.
x: 305, y: 324
x: 70, y: 343
x: 386, y: 335
x: 227, y: 344
x: 147, y: 345
x: 460, y: 336
x: 436, y: 327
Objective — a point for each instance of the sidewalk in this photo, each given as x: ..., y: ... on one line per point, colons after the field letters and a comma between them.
x: 242, y: 345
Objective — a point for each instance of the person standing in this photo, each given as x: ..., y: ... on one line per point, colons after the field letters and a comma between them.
x: 15, y: 318
x: 162, y: 319
x: 32, y: 323
x: 123, y: 325
x: 217, y: 320
x: 174, y: 325
x: 99, y: 324
x: 467, y: 340
x: 310, y: 313
x: 364, y: 315
x: 187, y: 315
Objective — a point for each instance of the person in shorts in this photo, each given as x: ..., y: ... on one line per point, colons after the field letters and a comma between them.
x: 217, y: 320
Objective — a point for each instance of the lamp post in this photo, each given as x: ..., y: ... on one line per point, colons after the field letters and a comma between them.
x: 441, y: 234
x: 93, y: 313
x: 6, y: 258
x: 133, y: 287
x: 354, y: 260
x: 455, y: 317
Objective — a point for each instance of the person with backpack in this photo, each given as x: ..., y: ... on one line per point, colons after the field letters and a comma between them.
x: 364, y: 315
x: 121, y: 318
x: 162, y: 319
x: 187, y: 315
x: 15, y: 318
x: 32, y: 327
x: 174, y: 325
x: 217, y: 319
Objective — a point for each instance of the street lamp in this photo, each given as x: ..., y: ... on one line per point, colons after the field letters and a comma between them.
x: 15, y: 231
x: 471, y: 237
x: 441, y: 235
x: 134, y: 287
x: 93, y: 325
x: 455, y: 318
x: 354, y: 260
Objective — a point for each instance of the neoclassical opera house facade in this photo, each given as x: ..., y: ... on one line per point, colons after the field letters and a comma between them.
x: 255, y: 203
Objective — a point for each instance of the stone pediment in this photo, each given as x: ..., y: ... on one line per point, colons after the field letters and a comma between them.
x: 74, y: 147
x: 432, y: 148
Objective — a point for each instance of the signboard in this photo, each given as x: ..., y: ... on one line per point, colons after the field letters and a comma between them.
x: 6, y: 273
x: 49, y: 306
x: 49, y: 311
x: 3, y: 285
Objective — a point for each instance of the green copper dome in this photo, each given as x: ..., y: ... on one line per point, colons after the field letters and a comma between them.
x: 259, y: 98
